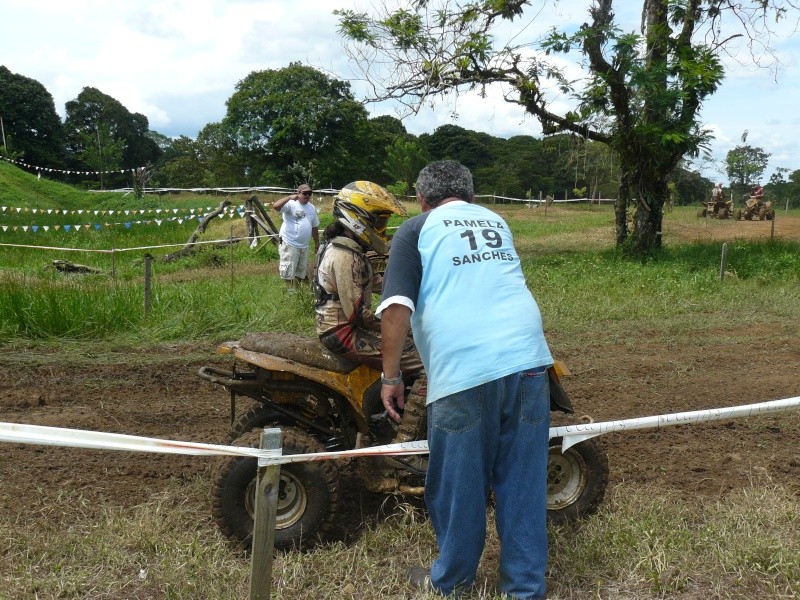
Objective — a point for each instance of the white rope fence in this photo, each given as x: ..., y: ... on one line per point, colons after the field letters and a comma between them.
x: 571, y: 435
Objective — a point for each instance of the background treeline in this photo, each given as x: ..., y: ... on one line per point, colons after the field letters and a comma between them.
x: 297, y: 124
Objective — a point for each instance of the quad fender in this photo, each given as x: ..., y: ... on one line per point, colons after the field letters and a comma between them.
x: 351, y: 385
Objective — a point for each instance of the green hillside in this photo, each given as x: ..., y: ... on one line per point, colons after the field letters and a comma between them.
x: 19, y: 188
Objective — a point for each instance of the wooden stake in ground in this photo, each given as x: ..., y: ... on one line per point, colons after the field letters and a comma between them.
x: 266, y: 510
x: 257, y: 216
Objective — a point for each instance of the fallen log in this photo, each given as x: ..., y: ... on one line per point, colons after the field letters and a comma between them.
x: 66, y: 266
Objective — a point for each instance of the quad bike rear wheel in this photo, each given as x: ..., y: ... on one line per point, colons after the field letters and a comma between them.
x: 576, y: 480
x: 308, y: 496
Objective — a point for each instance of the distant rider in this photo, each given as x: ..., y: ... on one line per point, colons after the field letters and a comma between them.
x: 716, y: 193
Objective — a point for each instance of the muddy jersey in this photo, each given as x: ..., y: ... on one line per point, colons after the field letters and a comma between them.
x: 345, y: 279
x: 465, y: 339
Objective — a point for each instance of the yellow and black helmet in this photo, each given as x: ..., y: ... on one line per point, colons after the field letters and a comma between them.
x: 374, y: 199
x: 361, y: 224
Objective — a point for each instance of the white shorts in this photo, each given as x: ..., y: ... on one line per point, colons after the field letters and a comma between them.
x: 293, y: 262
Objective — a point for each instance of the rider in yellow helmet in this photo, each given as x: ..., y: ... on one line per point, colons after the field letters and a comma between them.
x: 343, y: 287
x: 344, y: 280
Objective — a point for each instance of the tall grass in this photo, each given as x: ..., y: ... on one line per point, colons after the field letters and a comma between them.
x: 224, y: 291
x: 643, y: 544
x: 761, y: 277
x: 99, y: 307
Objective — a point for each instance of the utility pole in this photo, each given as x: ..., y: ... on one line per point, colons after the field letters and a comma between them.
x: 3, y: 131
x: 99, y: 155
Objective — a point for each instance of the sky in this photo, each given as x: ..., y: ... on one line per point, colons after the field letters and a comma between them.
x: 178, y: 61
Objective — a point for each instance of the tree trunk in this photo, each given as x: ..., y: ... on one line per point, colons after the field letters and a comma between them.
x: 188, y: 248
x: 652, y: 194
x: 621, y: 208
x: 647, y: 189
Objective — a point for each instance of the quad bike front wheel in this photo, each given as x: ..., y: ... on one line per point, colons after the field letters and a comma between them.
x: 576, y: 480
x: 308, y: 494
x: 258, y: 417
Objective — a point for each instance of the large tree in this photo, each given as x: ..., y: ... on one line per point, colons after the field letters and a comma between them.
x: 382, y: 133
x: 299, y: 123
x: 472, y: 148
x: 746, y: 165
x: 96, y: 122
x: 648, y: 85
x: 31, y: 127
x: 182, y: 165
x: 405, y: 158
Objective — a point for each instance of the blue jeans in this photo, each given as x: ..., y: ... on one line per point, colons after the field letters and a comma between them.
x: 493, y: 436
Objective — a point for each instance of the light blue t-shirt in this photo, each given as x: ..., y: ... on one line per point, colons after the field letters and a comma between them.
x: 474, y: 319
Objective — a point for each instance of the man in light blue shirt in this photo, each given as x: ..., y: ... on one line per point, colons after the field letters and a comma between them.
x: 455, y: 277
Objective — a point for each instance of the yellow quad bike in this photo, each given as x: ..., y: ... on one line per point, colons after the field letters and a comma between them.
x: 323, y: 402
x: 755, y: 209
x: 716, y: 209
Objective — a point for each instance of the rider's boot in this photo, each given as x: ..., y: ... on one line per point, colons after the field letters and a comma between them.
x: 386, y: 476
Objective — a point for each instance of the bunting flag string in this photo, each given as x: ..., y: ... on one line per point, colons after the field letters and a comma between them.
x: 137, y: 248
x: 231, y: 212
x: 67, y: 171
x: 110, y: 212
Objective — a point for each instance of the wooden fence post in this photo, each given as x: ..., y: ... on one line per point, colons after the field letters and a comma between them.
x: 723, y: 262
x: 148, y: 260
x: 266, y: 508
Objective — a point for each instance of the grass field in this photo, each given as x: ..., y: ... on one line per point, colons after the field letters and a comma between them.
x: 649, y: 540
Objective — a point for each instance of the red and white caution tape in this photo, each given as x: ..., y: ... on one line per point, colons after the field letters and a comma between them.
x: 571, y: 434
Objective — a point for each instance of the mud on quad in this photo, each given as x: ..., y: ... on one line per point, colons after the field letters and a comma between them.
x: 323, y: 402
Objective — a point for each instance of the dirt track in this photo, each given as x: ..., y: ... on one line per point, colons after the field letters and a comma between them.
x: 638, y: 377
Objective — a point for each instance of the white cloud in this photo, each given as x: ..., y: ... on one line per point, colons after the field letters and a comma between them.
x: 178, y: 61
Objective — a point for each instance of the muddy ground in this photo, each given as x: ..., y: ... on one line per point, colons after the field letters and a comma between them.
x: 157, y: 394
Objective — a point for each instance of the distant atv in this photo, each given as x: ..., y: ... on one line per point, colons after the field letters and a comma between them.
x: 755, y: 208
x: 323, y: 402
x: 716, y: 209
